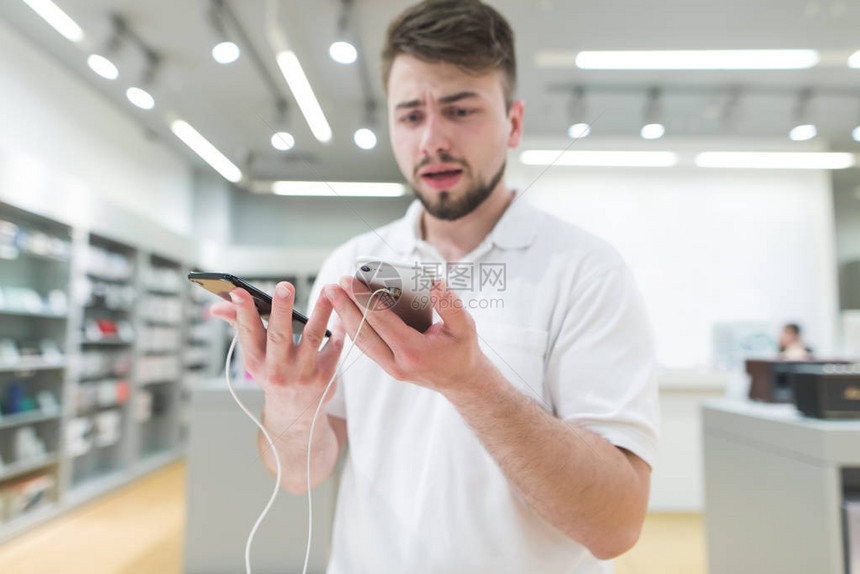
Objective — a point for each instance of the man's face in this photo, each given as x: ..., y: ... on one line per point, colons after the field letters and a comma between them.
x: 450, y: 133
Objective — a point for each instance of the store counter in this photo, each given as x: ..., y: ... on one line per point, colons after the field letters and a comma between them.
x: 228, y: 487
x: 776, y: 484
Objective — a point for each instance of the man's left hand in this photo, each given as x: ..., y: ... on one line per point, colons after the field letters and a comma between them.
x: 445, y: 358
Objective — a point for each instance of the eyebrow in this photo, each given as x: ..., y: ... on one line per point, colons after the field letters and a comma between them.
x: 443, y: 100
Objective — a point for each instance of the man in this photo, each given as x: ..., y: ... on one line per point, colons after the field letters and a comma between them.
x: 513, y: 437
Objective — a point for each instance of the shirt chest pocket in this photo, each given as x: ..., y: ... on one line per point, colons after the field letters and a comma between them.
x: 518, y: 353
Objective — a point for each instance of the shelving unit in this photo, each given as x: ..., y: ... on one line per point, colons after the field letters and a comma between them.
x: 116, y: 311
x: 127, y: 341
x: 158, y: 373
x: 105, y: 295
x: 35, y: 274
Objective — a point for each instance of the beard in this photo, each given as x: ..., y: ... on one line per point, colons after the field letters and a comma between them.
x: 450, y: 208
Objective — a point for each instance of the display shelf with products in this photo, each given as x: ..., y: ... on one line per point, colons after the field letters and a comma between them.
x: 159, y: 356
x: 35, y: 274
x: 93, y: 351
x: 97, y: 437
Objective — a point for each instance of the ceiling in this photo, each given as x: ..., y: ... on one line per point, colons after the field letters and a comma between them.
x: 233, y: 107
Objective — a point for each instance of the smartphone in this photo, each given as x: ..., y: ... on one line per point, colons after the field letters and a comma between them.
x: 222, y: 283
x: 407, y: 289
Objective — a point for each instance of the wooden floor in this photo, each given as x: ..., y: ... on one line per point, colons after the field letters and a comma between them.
x: 139, y: 530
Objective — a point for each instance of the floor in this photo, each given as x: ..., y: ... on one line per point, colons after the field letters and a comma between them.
x: 139, y: 530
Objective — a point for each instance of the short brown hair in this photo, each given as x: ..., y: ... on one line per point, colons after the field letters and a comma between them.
x: 466, y: 33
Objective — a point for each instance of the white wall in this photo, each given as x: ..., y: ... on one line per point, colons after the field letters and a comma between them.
x: 708, y: 245
x: 51, y: 120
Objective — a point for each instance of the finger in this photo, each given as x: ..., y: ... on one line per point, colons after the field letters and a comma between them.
x: 252, y: 335
x: 350, y: 315
x: 279, y: 335
x: 387, y: 324
x: 314, y: 332
x: 330, y: 353
x: 225, y: 311
x: 450, y: 307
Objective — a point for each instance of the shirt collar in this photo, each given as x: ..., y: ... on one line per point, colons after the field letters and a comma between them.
x: 516, y: 229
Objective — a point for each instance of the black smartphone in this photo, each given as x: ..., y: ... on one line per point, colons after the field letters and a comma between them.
x: 222, y: 283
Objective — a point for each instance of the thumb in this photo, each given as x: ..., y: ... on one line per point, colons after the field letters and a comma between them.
x: 450, y: 307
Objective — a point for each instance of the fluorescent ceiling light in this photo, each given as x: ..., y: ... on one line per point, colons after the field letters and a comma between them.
x: 301, y: 88
x: 698, y: 60
x: 283, y: 141
x: 208, y: 152
x: 776, y: 160
x: 338, y: 188
x: 854, y: 60
x: 343, y: 52
x: 58, y: 20
x: 140, y: 98
x: 103, y: 67
x: 855, y: 134
x: 600, y: 158
x: 225, y: 52
x: 364, y: 138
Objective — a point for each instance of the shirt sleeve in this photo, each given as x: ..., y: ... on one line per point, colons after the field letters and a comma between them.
x: 601, y: 366
x: 330, y: 272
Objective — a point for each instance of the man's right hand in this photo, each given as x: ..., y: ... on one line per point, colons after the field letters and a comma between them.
x: 292, y: 376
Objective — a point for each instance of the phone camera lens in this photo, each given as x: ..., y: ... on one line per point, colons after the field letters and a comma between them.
x: 365, y: 268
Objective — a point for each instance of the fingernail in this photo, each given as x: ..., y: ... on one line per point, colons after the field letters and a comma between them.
x: 329, y: 293
x: 234, y: 297
x: 282, y: 291
x: 343, y: 283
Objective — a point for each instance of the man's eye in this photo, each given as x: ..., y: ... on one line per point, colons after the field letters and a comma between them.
x: 411, y: 118
x: 461, y: 112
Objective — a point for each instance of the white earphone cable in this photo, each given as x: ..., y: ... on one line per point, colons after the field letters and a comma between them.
x: 272, y: 444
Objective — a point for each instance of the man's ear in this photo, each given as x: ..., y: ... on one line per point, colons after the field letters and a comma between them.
x: 515, y: 120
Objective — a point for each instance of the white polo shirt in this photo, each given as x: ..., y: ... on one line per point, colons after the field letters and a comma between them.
x: 559, y: 314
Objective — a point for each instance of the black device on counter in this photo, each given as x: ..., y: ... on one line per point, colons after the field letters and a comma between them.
x: 222, y: 283
x: 828, y: 391
x: 771, y: 380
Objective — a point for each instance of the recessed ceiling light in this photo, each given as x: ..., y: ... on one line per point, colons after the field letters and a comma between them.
x: 140, y: 98
x: 343, y: 52
x: 226, y: 52
x: 854, y: 60
x: 652, y: 131
x: 579, y: 131
x: 103, y: 67
x: 365, y: 139
x: 283, y: 141
x: 803, y: 132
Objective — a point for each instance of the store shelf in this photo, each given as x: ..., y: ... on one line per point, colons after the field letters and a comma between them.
x: 34, y: 314
x: 97, y: 277
x: 12, y: 470
x: 107, y: 342
x: 33, y: 365
x: 126, y: 283
x: 26, y: 521
x: 9, y: 421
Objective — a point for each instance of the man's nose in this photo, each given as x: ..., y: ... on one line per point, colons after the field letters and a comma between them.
x: 435, y: 138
